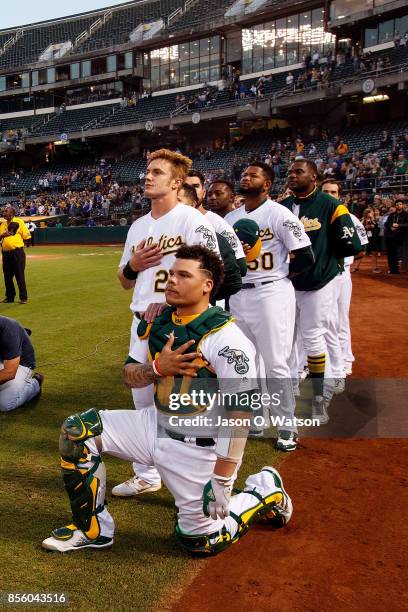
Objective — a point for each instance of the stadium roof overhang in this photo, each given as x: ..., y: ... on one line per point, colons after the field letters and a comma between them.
x: 366, y: 15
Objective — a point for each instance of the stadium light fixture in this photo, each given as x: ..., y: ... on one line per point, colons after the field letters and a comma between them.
x: 377, y: 98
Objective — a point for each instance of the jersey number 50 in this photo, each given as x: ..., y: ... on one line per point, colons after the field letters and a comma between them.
x: 265, y: 261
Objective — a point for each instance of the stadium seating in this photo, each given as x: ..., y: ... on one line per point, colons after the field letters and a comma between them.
x: 364, y: 138
x: 21, y: 123
x: 116, y: 30
x: 71, y: 120
x: 396, y: 56
x: 145, y: 109
x: 200, y: 12
x: 124, y: 20
x: 37, y: 38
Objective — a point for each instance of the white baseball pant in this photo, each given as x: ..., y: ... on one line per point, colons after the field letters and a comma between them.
x: 344, y: 291
x: 316, y: 320
x: 266, y: 315
x: 143, y: 398
x: 184, y: 467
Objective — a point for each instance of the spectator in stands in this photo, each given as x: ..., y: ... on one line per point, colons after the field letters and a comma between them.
x: 314, y: 78
x: 342, y: 148
x: 18, y: 384
x: 388, y: 165
x: 290, y: 78
x: 31, y: 226
x: 300, y: 147
x: 221, y: 197
x: 372, y: 227
x: 396, y: 228
x: 260, y: 87
x: 385, y: 141
x: 401, y: 166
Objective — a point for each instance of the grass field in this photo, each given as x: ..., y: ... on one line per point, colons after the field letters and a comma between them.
x: 80, y: 321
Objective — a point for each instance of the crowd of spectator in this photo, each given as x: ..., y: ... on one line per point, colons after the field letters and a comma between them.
x: 97, y: 206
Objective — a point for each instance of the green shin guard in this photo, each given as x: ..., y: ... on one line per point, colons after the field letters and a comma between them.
x: 84, y: 474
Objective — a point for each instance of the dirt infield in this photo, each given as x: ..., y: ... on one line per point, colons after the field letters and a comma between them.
x: 345, y: 547
x: 44, y: 257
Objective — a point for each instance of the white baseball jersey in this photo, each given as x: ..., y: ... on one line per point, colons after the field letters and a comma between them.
x: 222, y: 227
x: 280, y: 233
x: 182, y: 225
x: 362, y: 234
x: 232, y: 357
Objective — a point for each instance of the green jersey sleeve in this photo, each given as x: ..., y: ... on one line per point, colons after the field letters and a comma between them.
x: 344, y: 235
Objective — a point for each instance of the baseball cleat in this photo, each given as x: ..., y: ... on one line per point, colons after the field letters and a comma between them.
x: 280, y: 513
x: 256, y: 433
x: 287, y: 441
x: 348, y: 368
x: 296, y: 389
x: 69, y: 538
x: 134, y: 486
x: 303, y: 375
x: 319, y: 405
x: 339, y: 385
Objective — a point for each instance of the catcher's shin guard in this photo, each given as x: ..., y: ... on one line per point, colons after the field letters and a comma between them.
x: 83, y: 473
x: 204, y: 545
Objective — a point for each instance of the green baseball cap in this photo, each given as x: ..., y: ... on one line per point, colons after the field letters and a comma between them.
x: 248, y: 232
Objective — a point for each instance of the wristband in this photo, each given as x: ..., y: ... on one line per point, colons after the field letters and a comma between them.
x: 156, y: 369
x: 129, y: 273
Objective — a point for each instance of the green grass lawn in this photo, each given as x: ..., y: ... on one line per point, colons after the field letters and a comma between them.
x: 80, y: 320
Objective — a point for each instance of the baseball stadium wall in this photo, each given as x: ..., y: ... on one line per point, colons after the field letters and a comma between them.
x: 81, y: 235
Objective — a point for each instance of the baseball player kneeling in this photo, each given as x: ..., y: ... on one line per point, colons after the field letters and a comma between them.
x: 190, y: 349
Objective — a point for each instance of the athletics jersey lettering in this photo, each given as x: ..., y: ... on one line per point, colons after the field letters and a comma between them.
x: 311, y: 224
x: 280, y: 233
x: 168, y: 244
x: 265, y: 234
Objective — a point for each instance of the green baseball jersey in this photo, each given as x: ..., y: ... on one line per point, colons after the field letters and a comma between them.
x: 158, y: 333
x: 332, y: 233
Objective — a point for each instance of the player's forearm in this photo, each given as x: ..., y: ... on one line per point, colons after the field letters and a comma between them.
x: 138, y: 375
x: 224, y: 468
x: 125, y: 282
x: 300, y: 261
x: 231, y: 444
x: 6, y: 376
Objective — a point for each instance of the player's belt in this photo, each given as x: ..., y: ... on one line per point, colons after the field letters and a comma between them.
x: 188, y: 439
x: 258, y: 284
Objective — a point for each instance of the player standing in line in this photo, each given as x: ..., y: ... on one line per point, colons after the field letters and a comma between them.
x: 265, y: 307
x: 230, y: 248
x: 221, y: 197
x: 333, y: 236
x: 198, y: 463
x: 196, y: 179
x: 149, y: 252
x: 344, y: 283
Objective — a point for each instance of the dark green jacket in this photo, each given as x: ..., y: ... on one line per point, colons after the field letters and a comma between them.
x: 332, y: 233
